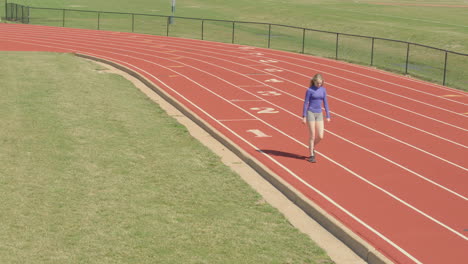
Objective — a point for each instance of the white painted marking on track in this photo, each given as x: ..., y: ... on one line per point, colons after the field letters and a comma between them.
x: 269, y: 93
x: 258, y: 133
x: 269, y: 61
x: 236, y: 120
x: 253, y: 100
x: 274, y: 70
x: 246, y: 48
x: 251, y: 85
x: 452, y: 95
x: 274, y: 81
x: 265, y: 110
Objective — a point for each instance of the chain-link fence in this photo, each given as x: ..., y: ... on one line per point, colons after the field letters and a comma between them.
x: 420, y: 61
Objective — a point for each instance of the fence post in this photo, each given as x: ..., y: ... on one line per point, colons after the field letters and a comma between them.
x: 337, y: 38
x: 167, y: 26
x: 63, y: 18
x: 27, y: 15
x: 98, y: 20
x: 372, y: 53
x: 303, y: 40
x: 445, y: 67
x: 133, y: 23
x: 407, y: 58
x: 6, y: 10
x: 233, y: 29
x: 269, y: 35
x: 202, y: 28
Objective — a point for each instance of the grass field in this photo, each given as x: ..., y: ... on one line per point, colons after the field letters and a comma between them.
x: 94, y: 172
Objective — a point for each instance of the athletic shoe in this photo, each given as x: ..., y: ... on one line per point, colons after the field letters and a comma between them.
x: 312, y: 159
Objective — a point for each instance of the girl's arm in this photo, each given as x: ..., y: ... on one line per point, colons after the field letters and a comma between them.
x: 325, y: 104
x: 306, y: 103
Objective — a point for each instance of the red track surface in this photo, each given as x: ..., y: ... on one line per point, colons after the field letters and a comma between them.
x: 392, y: 166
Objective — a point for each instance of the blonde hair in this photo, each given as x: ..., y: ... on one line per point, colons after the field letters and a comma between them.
x: 316, y: 77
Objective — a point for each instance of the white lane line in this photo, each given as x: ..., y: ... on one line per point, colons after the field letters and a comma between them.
x: 236, y: 120
x: 241, y: 100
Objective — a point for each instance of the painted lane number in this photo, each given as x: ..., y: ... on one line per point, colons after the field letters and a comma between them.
x: 273, y: 70
x: 269, y: 61
x: 273, y: 81
x: 258, y: 133
x: 269, y: 93
x: 264, y: 110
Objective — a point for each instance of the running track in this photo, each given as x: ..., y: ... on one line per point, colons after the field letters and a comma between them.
x: 392, y: 167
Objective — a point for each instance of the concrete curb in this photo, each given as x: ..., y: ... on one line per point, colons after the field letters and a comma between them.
x: 363, y: 249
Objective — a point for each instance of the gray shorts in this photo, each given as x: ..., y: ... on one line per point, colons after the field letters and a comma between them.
x: 315, y: 117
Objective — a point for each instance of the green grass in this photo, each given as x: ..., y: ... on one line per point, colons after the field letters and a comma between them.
x: 95, y: 172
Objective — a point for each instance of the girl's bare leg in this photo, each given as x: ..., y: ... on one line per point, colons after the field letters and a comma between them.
x: 319, y: 132
x: 312, y: 129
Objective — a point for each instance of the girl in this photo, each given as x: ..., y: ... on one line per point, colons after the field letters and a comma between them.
x: 312, y: 112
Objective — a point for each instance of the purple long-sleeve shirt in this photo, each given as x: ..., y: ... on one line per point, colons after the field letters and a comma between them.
x: 313, y: 101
